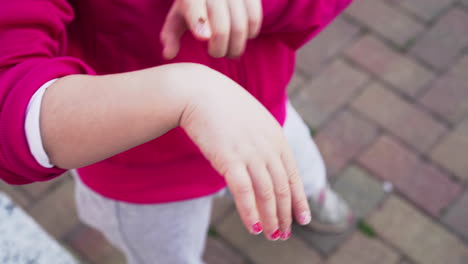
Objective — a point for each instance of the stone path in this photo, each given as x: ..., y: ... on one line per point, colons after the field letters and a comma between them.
x: 23, y: 241
x: 385, y: 91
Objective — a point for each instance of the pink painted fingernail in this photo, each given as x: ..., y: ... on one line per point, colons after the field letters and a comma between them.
x: 257, y: 228
x: 286, y: 235
x: 304, y: 218
x: 203, y: 29
x: 276, y: 235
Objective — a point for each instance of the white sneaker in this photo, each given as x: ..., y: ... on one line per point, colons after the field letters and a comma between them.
x: 330, y: 213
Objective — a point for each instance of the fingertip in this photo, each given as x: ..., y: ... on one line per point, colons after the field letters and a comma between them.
x: 285, y: 235
x: 304, y: 218
x: 169, y: 53
x: 202, y: 29
x: 275, y: 235
x: 254, y: 30
x: 256, y: 229
x: 253, y: 34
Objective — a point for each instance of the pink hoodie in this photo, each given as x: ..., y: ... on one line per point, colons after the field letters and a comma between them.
x: 43, y: 40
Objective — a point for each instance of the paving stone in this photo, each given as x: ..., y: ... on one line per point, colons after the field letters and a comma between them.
x: 221, y: 207
x: 361, y: 191
x: 326, y: 46
x: 414, y: 126
x: 413, y: 177
x: 342, y: 139
x: 443, y: 43
x: 261, y: 251
x: 405, y: 261
x: 116, y: 258
x: 386, y: 20
x: 23, y: 241
x: 448, y: 96
x: 14, y: 191
x: 324, y: 95
x: 217, y: 252
x: 296, y: 82
x: 325, y: 243
x: 91, y: 243
x: 363, y: 250
x: 424, y: 9
x: 80, y: 258
x: 400, y: 71
x: 417, y: 236
x: 37, y: 189
x: 457, y: 216
x: 56, y: 212
x: 452, y: 151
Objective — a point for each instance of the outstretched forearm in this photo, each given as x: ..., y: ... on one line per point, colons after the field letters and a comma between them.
x: 85, y: 119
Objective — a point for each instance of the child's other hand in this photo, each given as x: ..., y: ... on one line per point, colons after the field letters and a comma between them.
x: 225, y: 24
x: 247, y: 146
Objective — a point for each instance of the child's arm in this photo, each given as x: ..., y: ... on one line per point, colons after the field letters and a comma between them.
x: 89, y: 118
x: 85, y: 119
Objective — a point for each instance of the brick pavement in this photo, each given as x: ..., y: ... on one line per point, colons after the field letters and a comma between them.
x: 385, y: 87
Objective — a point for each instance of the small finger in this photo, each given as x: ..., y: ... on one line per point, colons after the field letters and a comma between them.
x: 300, y: 205
x: 171, y: 33
x: 265, y: 197
x: 239, y: 28
x: 283, y: 197
x: 218, y: 13
x: 241, y: 188
x: 255, y: 16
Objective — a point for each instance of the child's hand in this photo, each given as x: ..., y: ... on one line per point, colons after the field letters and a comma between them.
x: 247, y: 146
x: 225, y: 24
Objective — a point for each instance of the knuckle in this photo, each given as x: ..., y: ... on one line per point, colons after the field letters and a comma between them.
x: 284, y: 221
x: 293, y: 177
x: 243, y: 189
x: 224, y: 162
x: 266, y: 194
x: 300, y: 205
x: 283, y: 192
x: 248, y: 212
x: 252, y: 155
x: 238, y: 30
x: 220, y: 35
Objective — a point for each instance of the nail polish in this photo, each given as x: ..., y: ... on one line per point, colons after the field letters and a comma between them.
x: 304, y: 218
x: 286, y: 235
x: 276, y: 235
x: 257, y: 228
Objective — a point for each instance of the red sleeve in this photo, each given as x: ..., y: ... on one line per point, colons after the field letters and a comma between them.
x: 298, y: 21
x: 33, y: 41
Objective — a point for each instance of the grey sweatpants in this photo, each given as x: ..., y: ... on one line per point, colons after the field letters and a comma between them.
x: 176, y: 232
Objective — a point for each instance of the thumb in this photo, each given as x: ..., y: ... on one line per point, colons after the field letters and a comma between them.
x: 196, y: 16
x: 171, y: 32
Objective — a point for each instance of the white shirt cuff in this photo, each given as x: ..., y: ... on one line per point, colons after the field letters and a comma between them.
x: 33, y: 129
